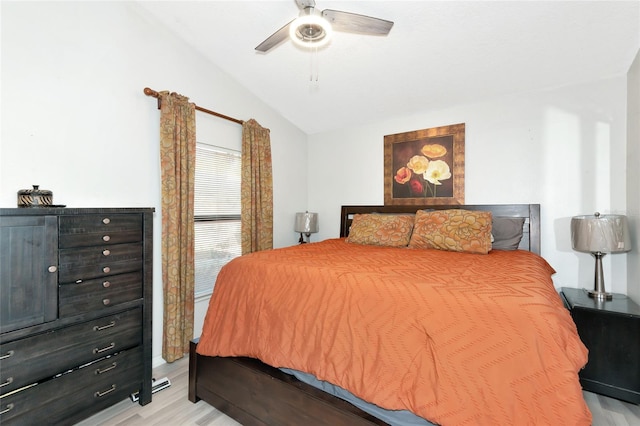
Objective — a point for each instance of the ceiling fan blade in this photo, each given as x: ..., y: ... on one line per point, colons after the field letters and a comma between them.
x: 275, y: 39
x: 354, y: 23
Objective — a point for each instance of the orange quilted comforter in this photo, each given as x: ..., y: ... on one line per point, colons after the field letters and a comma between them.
x: 459, y: 339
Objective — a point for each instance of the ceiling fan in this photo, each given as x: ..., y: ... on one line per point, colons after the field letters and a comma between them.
x: 313, y: 29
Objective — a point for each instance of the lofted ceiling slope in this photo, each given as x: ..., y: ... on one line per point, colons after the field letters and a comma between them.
x: 438, y: 53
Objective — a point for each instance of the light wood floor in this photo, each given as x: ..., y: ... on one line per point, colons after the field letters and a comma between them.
x: 171, y: 407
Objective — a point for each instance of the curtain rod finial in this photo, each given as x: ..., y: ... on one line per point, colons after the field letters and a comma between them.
x: 150, y: 92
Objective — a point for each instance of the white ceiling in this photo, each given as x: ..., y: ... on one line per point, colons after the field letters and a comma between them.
x: 438, y: 53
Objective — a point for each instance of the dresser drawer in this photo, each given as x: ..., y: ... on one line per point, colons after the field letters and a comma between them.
x: 99, y: 294
x: 99, y: 229
x: 93, y: 262
x: 45, y: 355
x: 76, y: 394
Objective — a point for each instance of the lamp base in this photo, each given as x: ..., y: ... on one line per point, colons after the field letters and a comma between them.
x: 303, y: 240
x: 598, y: 291
x: 600, y: 295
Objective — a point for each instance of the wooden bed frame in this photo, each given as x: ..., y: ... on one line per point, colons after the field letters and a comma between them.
x: 254, y: 393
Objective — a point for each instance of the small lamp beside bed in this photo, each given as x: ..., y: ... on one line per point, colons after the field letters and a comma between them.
x: 306, y: 224
x: 599, y: 235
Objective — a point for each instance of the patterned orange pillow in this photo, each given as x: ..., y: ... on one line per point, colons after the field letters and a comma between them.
x: 381, y: 229
x: 453, y: 230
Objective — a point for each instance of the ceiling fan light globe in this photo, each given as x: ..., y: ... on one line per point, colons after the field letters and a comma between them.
x: 310, y: 31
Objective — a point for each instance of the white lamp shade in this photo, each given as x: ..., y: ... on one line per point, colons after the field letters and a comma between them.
x: 306, y: 223
x: 600, y: 233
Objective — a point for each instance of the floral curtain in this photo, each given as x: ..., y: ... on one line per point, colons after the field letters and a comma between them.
x: 178, y: 162
x: 257, y: 189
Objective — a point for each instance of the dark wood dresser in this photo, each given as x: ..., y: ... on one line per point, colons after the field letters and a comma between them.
x: 75, y: 311
x: 610, y: 329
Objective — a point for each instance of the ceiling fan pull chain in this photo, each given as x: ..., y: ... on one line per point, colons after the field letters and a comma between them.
x: 310, y: 64
x: 313, y: 63
x: 317, y: 63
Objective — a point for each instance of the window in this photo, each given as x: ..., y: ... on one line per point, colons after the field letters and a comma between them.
x: 216, y: 213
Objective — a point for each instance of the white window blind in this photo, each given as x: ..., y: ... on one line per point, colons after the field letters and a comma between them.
x: 216, y: 213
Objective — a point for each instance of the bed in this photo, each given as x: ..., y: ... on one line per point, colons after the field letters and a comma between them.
x: 464, y: 334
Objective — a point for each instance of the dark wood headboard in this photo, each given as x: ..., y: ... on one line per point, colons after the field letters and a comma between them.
x: 531, y: 212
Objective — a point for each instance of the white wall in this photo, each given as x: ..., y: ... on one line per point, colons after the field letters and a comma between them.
x: 75, y: 119
x: 562, y: 148
x: 633, y: 176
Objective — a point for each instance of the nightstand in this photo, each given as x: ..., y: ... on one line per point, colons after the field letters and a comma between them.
x: 611, y: 331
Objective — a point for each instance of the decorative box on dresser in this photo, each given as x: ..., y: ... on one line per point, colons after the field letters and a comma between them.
x: 75, y: 311
x: 610, y: 329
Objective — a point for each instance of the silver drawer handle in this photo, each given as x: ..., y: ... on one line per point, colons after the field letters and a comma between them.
x: 6, y: 410
x: 104, y: 370
x: 106, y: 269
x: 106, y: 302
x: 106, y: 221
x: 7, y: 382
x: 106, y: 238
x: 106, y: 348
x: 106, y: 252
x: 103, y: 327
x: 9, y: 354
x: 99, y: 394
x: 106, y: 284
x: 52, y: 268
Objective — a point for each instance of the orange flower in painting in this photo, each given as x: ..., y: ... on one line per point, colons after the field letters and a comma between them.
x: 403, y: 175
x: 434, y: 150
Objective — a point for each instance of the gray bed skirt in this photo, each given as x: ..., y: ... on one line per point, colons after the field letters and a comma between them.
x: 393, y: 417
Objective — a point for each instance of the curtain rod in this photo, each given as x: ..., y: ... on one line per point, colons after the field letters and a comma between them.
x: 151, y: 92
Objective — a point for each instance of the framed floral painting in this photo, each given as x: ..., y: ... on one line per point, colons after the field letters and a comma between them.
x: 425, y: 166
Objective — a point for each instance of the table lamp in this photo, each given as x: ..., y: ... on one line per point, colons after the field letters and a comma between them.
x: 307, y: 224
x: 599, y: 235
